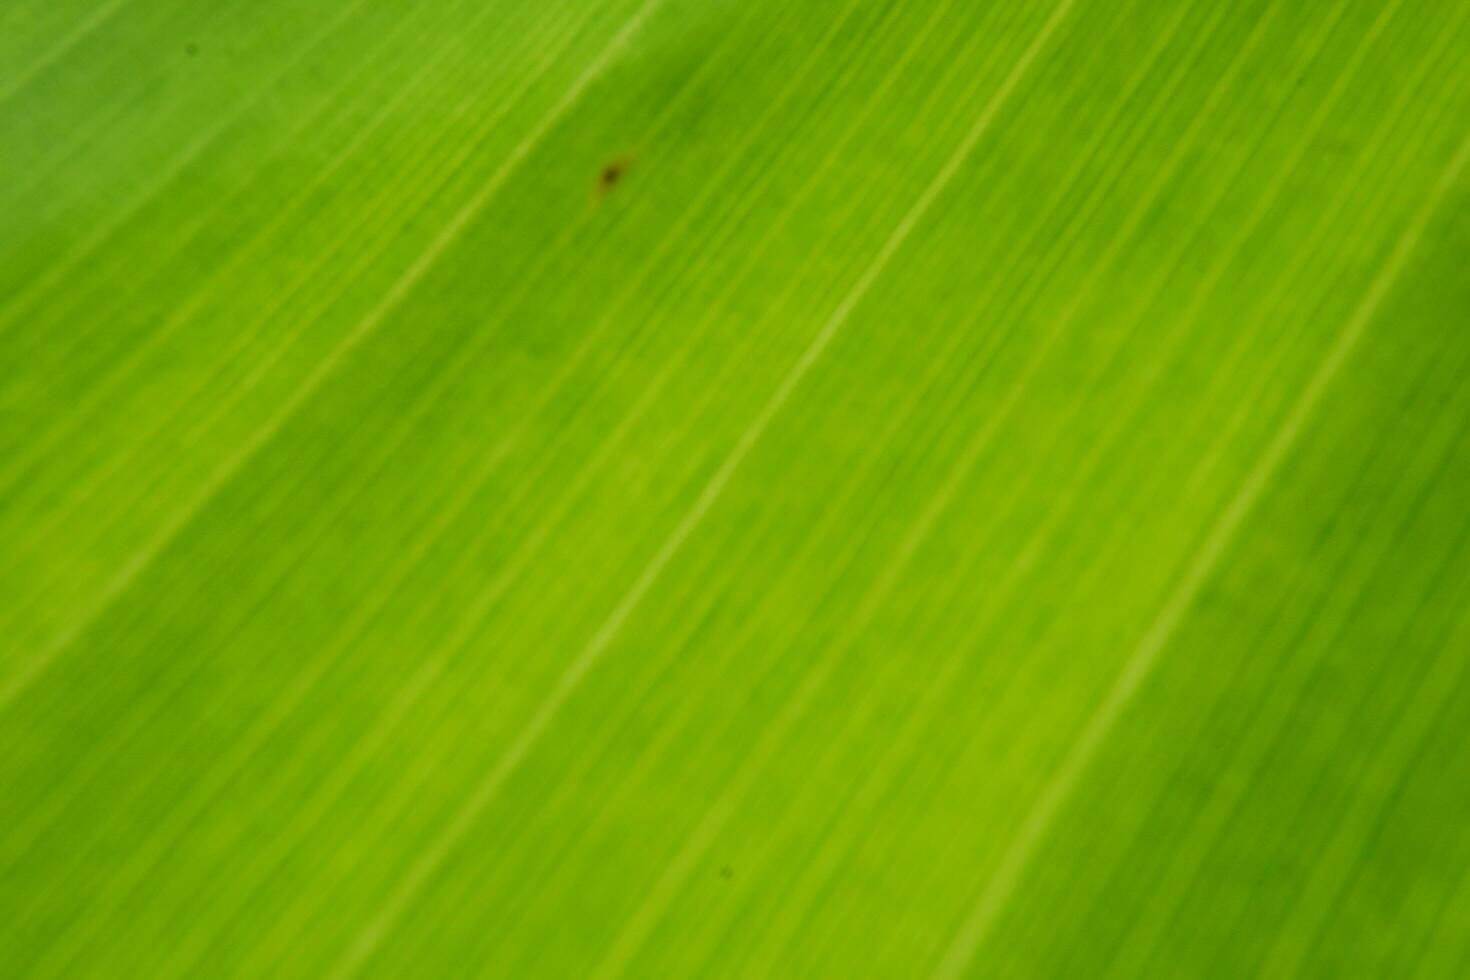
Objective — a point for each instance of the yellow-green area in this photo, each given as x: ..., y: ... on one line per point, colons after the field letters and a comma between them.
x: 760, y: 488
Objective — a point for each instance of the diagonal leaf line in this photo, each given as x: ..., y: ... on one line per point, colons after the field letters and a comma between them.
x: 80, y: 33
x: 1454, y: 899
x: 220, y: 774
x: 1299, y: 267
x: 59, y: 270
x: 376, y: 930
x: 1420, y: 707
x: 894, y: 567
x: 722, y: 809
x: 525, y: 552
x: 976, y: 926
x: 331, y: 784
x: 1186, y: 867
x: 668, y: 732
x: 1313, y: 609
x: 200, y: 294
x: 396, y: 294
x: 893, y: 756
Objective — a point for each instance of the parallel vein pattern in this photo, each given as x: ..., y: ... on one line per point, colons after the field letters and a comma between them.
x: 631, y: 488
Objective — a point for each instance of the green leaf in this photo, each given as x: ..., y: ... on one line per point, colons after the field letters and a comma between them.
x: 645, y: 488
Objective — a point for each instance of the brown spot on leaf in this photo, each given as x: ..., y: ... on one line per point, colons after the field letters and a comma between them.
x: 612, y: 175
